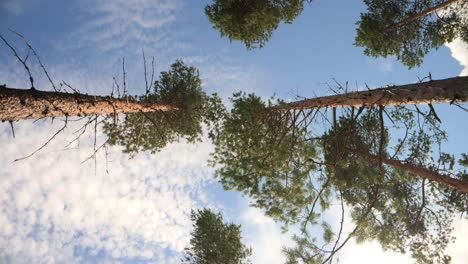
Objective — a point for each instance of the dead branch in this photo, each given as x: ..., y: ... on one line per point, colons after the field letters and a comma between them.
x: 31, y: 79
x: 124, y: 78
x: 382, y: 134
x: 341, y: 225
x: 69, y: 86
x: 12, y: 128
x: 37, y: 57
x: 146, y: 77
x: 433, y: 112
x: 48, y: 141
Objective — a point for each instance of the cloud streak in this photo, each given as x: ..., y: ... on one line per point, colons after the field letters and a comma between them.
x: 130, y: 25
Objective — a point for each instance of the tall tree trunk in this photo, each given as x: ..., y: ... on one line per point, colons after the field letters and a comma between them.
x: 18, y: 104
x: 437, y: 91
x: 422, y: 14
x: 461, y: 186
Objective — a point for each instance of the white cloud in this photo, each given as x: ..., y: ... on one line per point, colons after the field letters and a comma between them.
x: 107, y: 25
x: 372, y: 252
x: 459, y: 51
x: 53, y: 207
x: 384, y: 64
x: 226, y: 75
x: 267, y: 240
x: 264, y: 235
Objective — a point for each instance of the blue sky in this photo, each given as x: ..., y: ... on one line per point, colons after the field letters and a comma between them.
x: 57, y: 210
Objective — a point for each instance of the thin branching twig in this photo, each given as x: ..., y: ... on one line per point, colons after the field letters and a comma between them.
x: 45, y: 144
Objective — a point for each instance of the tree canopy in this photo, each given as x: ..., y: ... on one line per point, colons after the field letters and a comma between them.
x: 402, y: 212
x: 251, y: 21
x: 180, y: 88
x: 264, y: 154
x: 215, y: 242
x: 381, y: 35
x: 270, y: 154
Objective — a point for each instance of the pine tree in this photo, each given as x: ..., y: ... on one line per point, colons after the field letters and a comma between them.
x: 251, y: 21
x: 294, y: 171
x: 410, y: 29
x: 215, y: 242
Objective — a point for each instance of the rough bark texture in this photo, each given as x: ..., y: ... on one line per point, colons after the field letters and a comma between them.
x: 447, y: 181
x: 18, y: 104
x: 438, y: 91
x: 422, y: 14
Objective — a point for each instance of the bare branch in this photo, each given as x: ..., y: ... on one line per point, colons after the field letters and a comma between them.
x: 434, y: 113
x: 341, y: 225
x: 12, y: 128
x: 69, y: 86
x: 146, y: 77
x: 31, y: 79
x: 382, y: 134
x: 37, y: 57
x: 124, y: 78
x: 48, y: 141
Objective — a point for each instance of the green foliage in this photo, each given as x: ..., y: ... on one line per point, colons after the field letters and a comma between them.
x: 453, y: 198
x: 251, y: 21
x: 402, y: 212
x: 262, y: 153
x: 412, y: 41
x: 215, y: 242
x: 268, y: 155
x: 180, y: 88
x: 464, y: 160
x: 305, y: 251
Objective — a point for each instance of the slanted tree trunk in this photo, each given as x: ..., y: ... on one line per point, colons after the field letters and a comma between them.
x: 438, y: 91
x: 18, y: 104
x: 422, y: 14
x: 461, y: 186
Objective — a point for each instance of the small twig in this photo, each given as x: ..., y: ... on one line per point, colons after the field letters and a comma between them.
x: 37, y: 57
x: 124, y: 78
x: 312, y: 209
x: 71, y: 87
x: 93, y: 156
x: 152, y: 72
x: 94, y: 145
x: 31, y: 79
x: 27, y: 56
x: 48, y: 141
x: 341, y: 226
x: 80, y: 132
x: 423, y: 202
x: 146, y: 77
x: 458, y: 105
x: 432, y: 111
x: 382, y: 134
x: 107, y: 162
x: 118, y: 87
x: 112, y: 90
x: 351, y: 234
x: 12, y: 128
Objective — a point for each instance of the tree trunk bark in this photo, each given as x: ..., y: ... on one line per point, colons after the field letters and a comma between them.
x: 439, y: 91
x: 447, y: 181
x: 422, y: 14
x: 18, y: 104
